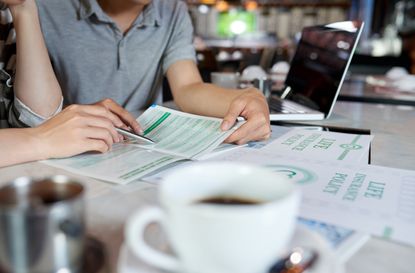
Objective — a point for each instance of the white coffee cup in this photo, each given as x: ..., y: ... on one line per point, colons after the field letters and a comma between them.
x: 219, y: 238
x: 253, y: 72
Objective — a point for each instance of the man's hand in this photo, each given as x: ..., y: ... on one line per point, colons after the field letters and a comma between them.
x: 252, y: 106
x: 119, y: 116
x: 194, y: 96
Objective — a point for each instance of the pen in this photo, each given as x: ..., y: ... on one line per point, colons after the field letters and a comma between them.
x: 133, y: 135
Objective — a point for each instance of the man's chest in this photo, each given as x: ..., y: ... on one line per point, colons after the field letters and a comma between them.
x: 101, y: 46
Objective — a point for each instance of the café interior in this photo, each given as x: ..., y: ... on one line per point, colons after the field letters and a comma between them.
x: 244, y: 43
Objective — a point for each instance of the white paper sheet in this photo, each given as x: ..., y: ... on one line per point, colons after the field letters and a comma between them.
x: 372, y: 199
x: 321, y: 145
x: 284, y: 141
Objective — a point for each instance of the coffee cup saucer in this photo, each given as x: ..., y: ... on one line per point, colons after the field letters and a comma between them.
x: 303, y: 237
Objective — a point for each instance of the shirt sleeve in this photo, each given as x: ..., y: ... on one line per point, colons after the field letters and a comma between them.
x: 26, y: 115
x: 13, y: 112
x: 180, y: 46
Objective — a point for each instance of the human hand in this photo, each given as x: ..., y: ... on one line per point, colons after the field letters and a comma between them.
x: 252, y: 106
x: 13, y: 2
x: 18, y: 6
x: 119, y: 116
x: 77, y: 129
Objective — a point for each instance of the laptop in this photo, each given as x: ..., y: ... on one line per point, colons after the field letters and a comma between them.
x: 317, y: 71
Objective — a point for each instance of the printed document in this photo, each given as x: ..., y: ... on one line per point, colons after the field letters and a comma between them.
x: 177, y: 135
x: 372, y: 199
x: 301, y: 143
x: 321, y: 145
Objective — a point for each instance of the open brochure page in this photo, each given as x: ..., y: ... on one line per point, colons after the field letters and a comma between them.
x: 182, y: 134
x: 372, y: 199
x: 123, y: 164
x: 178, y: 136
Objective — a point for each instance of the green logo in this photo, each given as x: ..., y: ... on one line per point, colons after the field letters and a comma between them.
x: 298, y: 175
x: 350, y: 147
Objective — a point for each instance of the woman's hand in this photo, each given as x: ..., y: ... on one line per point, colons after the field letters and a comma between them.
x: 18, y: 6
x: 77, y: 129
x: 119, y: 116
x: 13, y: 2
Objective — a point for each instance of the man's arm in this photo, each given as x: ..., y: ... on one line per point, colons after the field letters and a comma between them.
x: 35, y: 83
x: 194, y: 96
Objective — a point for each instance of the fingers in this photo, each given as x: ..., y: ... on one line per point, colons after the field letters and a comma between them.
x: 99, y: 134
x: 116, y: 120
x: 122, y: 114
x: 13, y: 2
x: 251, y: 105
x: 235, y: 109
x: 95, y: 145
x: 111, y: 110
x: 94, y: 110
x: 96, y: 116
x: 257, y: 128
x: 99, y: 122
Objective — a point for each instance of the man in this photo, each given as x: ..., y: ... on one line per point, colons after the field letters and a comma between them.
x: 30, y: 95
x: 121, y: 49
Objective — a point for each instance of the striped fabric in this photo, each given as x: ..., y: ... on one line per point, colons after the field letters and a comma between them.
x: 9, y: 116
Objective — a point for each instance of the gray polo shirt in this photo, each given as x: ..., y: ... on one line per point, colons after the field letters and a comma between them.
x: 94, y: 60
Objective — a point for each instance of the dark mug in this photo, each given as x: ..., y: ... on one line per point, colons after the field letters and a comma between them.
x: 42, y: 225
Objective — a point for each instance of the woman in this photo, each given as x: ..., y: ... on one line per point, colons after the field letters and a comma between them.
x: 30, y: 96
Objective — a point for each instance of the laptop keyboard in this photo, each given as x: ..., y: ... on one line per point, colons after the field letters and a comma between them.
x: 284, y: 106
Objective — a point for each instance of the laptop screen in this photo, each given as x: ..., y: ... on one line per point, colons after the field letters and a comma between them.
x: 320, y: 63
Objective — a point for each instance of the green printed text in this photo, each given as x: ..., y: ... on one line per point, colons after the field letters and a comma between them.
x: 353, y: 190
x: 335, y: 183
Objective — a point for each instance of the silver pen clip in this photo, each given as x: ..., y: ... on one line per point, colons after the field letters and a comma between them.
x: 134, y: 135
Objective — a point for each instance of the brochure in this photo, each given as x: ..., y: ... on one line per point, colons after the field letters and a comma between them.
x: 285, y: 142
x: 177, y: 135
x: 321, y: 145
x: 371, y: 199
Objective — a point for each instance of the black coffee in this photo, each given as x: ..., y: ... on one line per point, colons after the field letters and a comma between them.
x: 228, y: 200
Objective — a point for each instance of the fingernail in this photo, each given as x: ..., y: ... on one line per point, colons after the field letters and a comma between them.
x: 225, y: 125
x: 140, y: 131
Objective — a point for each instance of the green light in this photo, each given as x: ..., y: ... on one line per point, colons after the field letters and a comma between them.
x: 235, y: 23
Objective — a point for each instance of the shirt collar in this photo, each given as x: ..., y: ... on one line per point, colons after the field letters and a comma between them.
x: 87, y: 8
x: 149, y: 17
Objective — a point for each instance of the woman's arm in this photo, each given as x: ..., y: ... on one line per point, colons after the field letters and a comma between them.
x: 77, y: 129
x: 35, y: 83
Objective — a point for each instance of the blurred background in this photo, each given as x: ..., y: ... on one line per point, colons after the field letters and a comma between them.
x: 231, y: 35
x: 238, y: 33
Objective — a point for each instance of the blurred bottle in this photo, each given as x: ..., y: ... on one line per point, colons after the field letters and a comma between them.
x: 391, y: 43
